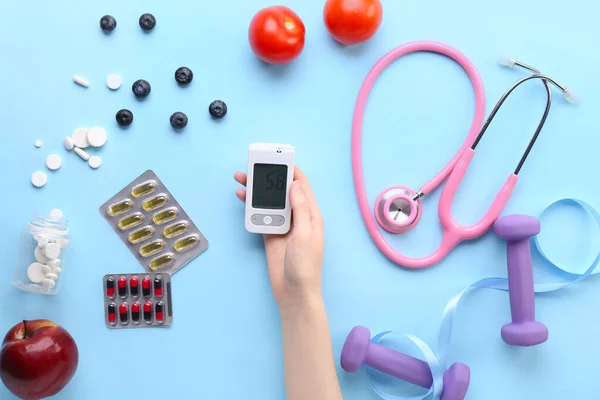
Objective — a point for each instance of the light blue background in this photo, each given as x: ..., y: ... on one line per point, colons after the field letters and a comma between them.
x: 225, y: 342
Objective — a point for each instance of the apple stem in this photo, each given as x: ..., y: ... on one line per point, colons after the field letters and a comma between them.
x: 25, y: 329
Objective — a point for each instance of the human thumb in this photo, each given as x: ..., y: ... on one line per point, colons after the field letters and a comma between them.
x: 300, y: 209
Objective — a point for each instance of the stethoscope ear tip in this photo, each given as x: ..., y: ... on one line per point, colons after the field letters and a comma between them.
x: 507, y: 61
x: 570, y: 96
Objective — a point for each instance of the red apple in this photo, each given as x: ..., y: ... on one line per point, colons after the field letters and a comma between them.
x: 38, y: 359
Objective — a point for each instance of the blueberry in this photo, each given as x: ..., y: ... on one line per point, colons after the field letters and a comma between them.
x: 184, y: 75
x: 108, y: 23
x: 147, y: 22
x: 124, y: 117
x: 217, y: 109
x: 141, y: 88
x: 179, y: 120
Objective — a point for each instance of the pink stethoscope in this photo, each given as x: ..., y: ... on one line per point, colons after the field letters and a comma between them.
x: 398, y: 208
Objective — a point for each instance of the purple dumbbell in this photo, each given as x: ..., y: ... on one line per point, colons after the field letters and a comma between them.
x: 524, y: 330
x: 359, y: 350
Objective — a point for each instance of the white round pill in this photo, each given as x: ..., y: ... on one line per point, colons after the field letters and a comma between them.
x: 54, y: 263
x: 95, y: 162
x: 35, y: 273
x: 114, y: 81
x: 56, y: 270
x: 53, y: 162
x: 38, y: 143
x: 51, y: 275
x: 52, y: 251
x: 40, y: 256
x: 39, y: 179
x: 48, y: 283
x: 68, y: 142
x: 56, y: 214
x: 96, y: 136
x: 80, y: 138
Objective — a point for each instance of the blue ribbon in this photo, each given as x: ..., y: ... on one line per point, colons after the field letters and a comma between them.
x: 437, y: 362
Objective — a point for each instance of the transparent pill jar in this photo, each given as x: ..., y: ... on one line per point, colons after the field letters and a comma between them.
x: 41, y: 254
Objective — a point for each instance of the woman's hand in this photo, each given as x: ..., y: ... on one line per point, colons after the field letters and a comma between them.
x: 295, y: 260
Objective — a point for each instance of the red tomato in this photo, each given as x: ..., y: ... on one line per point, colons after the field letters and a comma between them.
x: 276, y: 35
x: 352, y: 21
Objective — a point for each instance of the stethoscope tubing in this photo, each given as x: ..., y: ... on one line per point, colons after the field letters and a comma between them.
x: 433, y: 183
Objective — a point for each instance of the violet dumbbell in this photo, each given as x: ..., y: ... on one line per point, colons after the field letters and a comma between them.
x: 524, y: 330
x: 359, y: 350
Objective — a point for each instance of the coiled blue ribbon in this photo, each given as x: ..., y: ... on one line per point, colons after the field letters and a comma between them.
x: 437, y: 362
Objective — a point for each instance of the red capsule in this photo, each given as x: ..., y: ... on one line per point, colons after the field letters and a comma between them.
x: 110, y: 287
x: 135, y: 312
x: 123, y: 313
x: 158, y: 286
x: 148, y: 312
x: 160, y: 312
x: 146, y: 289
x: 122, y: 284
x: 112, y: 313
x: 134, y: 286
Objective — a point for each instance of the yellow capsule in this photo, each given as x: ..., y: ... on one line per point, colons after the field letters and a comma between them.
x: 165, y: 216
x: 120, y: 207
x: 131, y: 221
x: 176, y: 229
x: 141, y: 234
x: 161, y: 261
x: 186, y: 243
x: 155, y: 202
x: 144, y: 189
x: 152, y: 248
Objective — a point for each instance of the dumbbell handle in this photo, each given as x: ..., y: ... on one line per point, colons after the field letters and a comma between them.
x: 520, y: 280
x: 399, y: 365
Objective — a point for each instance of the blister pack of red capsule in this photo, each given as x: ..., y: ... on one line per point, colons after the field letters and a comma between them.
x: 153, y: 225
x: 137, y: 300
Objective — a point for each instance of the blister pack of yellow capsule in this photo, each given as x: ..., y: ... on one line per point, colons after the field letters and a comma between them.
x: 153, y: 225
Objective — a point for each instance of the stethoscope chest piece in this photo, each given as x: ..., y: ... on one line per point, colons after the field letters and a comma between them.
x: 396, y: 209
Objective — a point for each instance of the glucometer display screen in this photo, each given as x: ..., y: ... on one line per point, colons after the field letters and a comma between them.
x: 269, y: 187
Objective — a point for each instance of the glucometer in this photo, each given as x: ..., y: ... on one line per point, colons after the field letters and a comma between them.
x: 270, y: 175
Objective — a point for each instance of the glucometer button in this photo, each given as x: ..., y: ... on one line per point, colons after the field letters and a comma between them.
x: 267, y: 220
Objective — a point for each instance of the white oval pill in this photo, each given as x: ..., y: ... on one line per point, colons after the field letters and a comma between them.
x: 56, y: 214
x: 48, y: 283
x: 38, y: 143
x: 35, y: 273
x: 114, y: 81
x: 52, y: 276
x: 39, y: 179
x: 80, y: 137
x: 40, y: 256
x: 95, y: 162
x: 53, y: 162
x: 96, y: 136
x: 57, y: 270
x: 68, y: 142
x: 52, y: 251
x: 82, y: 153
